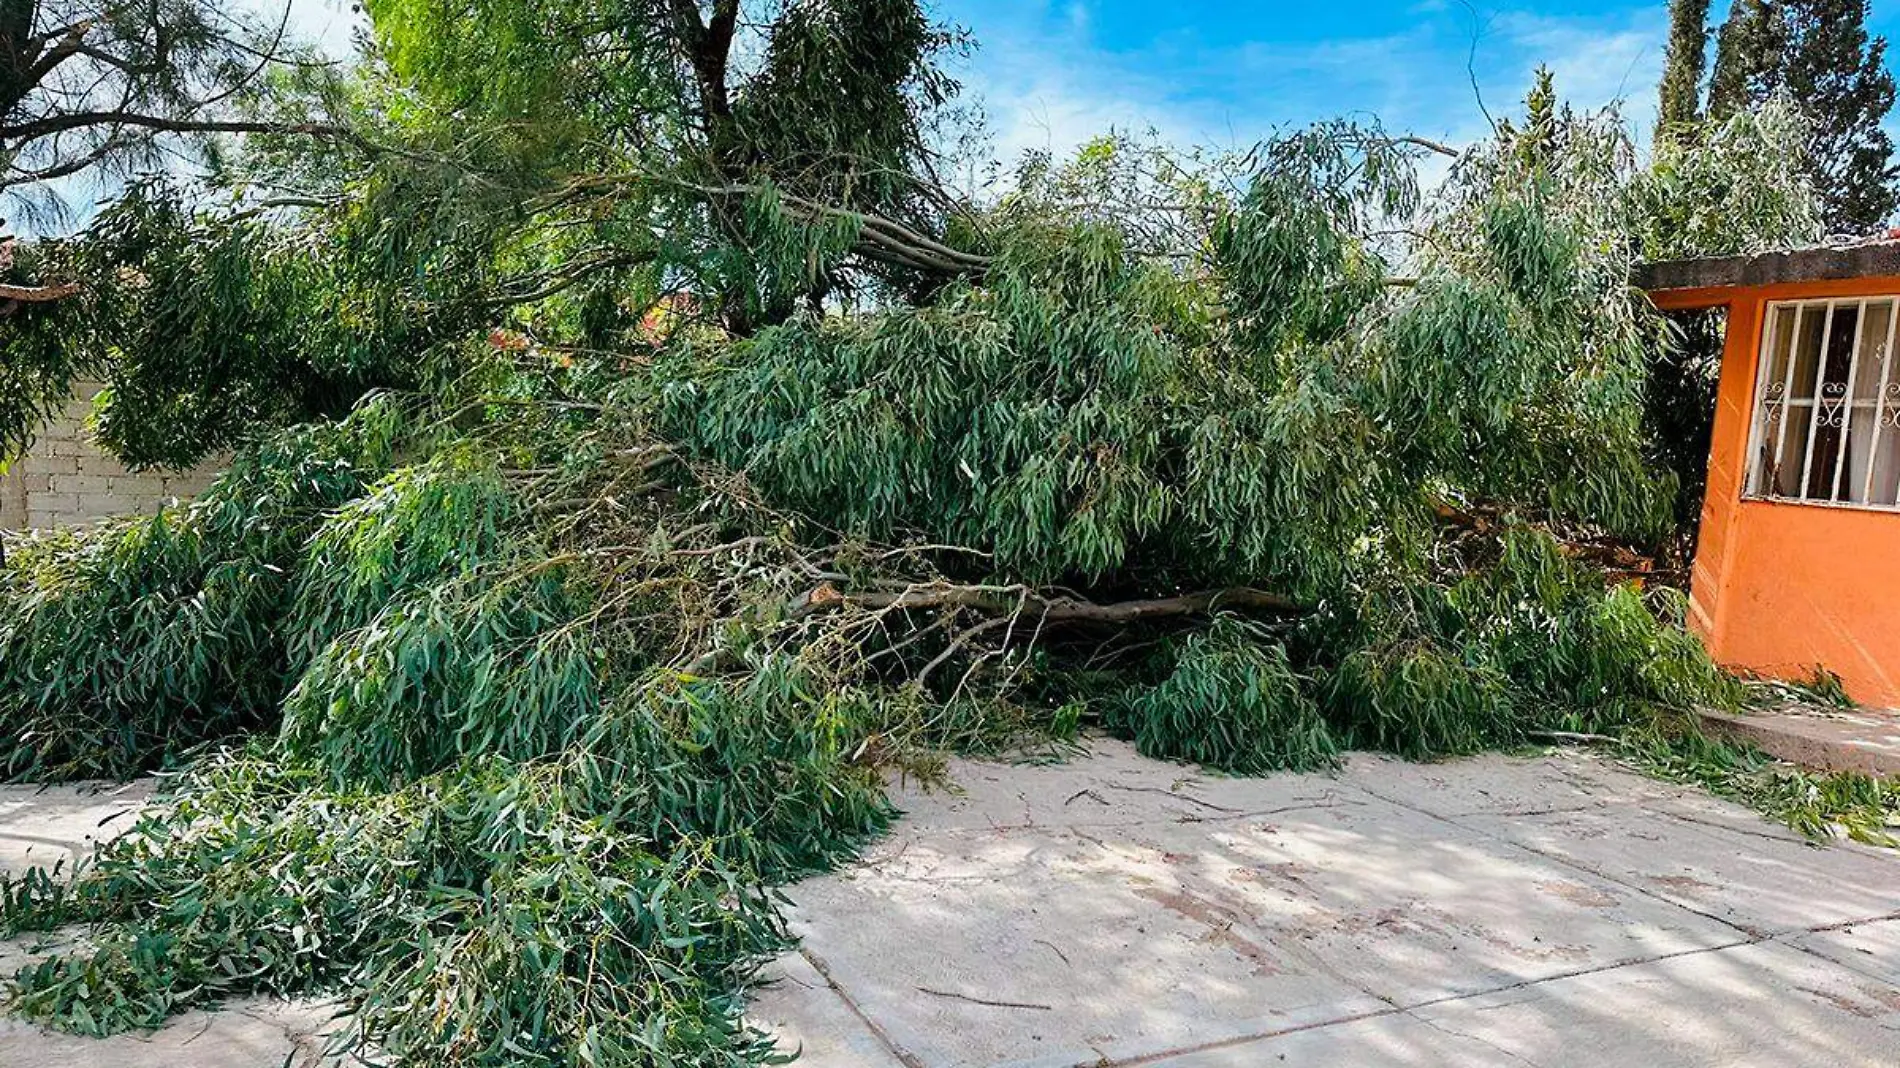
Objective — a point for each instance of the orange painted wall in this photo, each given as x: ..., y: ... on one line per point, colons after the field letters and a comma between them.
x: 1779, y: 588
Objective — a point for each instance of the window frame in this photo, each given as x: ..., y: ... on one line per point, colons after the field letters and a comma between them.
x: 1884, y: 404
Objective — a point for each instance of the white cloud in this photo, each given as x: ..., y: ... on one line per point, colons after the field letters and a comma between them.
x: 1595, y: 65
x: 1046, y: 84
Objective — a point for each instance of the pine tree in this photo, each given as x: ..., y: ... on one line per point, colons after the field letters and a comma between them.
x: 1840, y: 79
x: 1681, y: 89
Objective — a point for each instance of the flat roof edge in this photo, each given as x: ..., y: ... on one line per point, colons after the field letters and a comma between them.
x: 1875, y: 260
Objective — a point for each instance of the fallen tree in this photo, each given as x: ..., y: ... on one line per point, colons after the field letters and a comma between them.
x: 608, y: 549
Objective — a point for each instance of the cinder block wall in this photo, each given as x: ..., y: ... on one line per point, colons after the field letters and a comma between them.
x: 65, y: 479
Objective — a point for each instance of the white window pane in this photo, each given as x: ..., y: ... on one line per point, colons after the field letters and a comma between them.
x: 1856, y: 457
x: 1778, y: 329
x: 1874, y: 355
x: 1885, y: 480
x: 1807, y: 351
x: 1786, y: 479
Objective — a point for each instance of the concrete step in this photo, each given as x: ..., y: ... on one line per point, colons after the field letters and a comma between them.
x: 1863, y: 740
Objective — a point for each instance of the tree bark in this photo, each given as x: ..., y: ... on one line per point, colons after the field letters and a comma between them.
x: 1001, y: 600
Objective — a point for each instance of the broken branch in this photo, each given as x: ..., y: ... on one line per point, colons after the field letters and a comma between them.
x: 1052, y: 609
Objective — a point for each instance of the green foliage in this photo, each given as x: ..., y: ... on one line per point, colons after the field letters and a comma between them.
x: 417, y: 527
x: 209, y: 327
x: 1819, y: 805
x: 1679, y: 404
x: 765, y: 764
x: 1730, y: 186
x: 1297, y: 272
x: 1552, y: 627
x: 423, y: 630
x: 620, y: 619
x: 38, y: 361
x: 1090, y: 411
x: 1818, y: 55
x: 1838, y: 76
x: 125, y: 644
x: 556, y: 706
x: 876, y: 423
x: 1823, y: 689
x: 1681, y: 91
x: 1748, y: 57
x: 1231, y: 702
x: 1531, y: 642
x: 1420, y: 700
x: 443, y: 671
x: 477, y: 909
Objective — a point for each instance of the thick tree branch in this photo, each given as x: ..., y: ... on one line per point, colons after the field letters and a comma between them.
x: 39, y: 294
x: 1014, y: 600
x: 71, y: 44
x: 568, y: 278
x: 77, y: 120
x: 879, y: 238
x: 1604, y: 552
x: 1439, y: 147
x: 708, y: 49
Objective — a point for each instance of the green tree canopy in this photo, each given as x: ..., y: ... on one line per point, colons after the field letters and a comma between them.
x: 1820, y: 54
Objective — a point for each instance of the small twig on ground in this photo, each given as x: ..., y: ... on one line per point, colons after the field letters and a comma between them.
x: 1053, y: 948
x: 985, y: 1001
x: 1571, y: 736
x: 1171, y: 793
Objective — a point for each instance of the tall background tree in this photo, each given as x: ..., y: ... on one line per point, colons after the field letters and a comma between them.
x: 129, y: 84
x: 1748, y: 57
x: 1839, y: 77
x: 93, y: 93
x: 1820, y: 54
x: 1681, y: 91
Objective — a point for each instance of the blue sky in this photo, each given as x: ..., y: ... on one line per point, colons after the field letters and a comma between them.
x: 1222, y: 73
x: 1052, y: 72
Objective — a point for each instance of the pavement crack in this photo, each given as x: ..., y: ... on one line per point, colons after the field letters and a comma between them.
x: 1785, y: 839
x: 991, y: 1002
x: 1479, y: 1039
x: 1749, y: 933
x: 1053, y: 948
x: 903, y: 1056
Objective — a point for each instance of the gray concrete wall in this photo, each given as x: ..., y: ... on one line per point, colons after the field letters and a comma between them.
x: 65, y: 479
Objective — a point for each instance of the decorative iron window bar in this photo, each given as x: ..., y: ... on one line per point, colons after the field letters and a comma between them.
x: 1827, y: 409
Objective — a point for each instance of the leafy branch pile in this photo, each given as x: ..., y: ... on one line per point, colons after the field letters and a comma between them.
x: 621, y: 499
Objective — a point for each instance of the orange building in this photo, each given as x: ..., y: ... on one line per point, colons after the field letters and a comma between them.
x: 1798, y: 562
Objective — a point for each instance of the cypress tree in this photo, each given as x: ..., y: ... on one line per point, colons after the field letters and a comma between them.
x: 1749, y: 57
x: 1681, y: 89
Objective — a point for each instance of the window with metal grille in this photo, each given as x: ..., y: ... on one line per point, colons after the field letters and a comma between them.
x: 1827, y: 409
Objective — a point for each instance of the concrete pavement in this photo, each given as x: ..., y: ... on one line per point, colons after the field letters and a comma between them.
x: 1495, y: 911
x: 1113, y: 910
